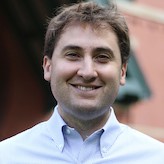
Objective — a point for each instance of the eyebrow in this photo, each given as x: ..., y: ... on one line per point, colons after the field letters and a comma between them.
x: 104, y: 49
x: 72, y: 47
x: 96, y: 49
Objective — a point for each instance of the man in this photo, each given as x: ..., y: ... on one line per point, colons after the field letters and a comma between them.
x: 85, y: 60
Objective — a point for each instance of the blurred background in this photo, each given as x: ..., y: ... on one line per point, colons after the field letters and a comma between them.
x: 26, y: 99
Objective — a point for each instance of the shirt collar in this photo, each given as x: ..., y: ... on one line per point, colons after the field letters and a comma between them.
x: 110, y: 131
x: 55, y: 125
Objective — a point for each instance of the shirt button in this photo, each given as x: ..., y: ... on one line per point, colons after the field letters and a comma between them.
x: 68, y: 131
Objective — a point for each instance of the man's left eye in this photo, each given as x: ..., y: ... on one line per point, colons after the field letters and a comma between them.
x: 102, y: 58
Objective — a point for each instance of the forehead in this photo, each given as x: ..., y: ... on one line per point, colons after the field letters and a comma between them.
x: 97, y: 28
x: 85, y: 33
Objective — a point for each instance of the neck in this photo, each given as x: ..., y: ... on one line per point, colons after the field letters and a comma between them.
x: 86, y: 127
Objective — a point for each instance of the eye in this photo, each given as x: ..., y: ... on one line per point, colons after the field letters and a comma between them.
x: 102, y: 58
x: 72, y: 55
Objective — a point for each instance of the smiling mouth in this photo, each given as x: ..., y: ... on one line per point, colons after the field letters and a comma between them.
x: 86, y: 88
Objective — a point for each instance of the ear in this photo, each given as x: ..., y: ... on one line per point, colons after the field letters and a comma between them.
x: 123, y: 74
x: 47, y: 68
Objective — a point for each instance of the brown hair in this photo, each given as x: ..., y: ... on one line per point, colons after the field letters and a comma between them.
x: 93, y: 14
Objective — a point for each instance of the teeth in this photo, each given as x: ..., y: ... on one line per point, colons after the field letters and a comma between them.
x: 85, y: 88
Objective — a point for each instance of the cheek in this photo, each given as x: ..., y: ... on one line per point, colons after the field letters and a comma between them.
x: 110, y: 74
x: 61, y: 74
x: 63, y: 71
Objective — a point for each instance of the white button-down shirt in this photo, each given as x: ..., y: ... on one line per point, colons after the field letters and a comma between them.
x: 53, y: 142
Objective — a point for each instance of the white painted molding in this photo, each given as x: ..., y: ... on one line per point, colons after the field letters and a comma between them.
x: 141, y: 11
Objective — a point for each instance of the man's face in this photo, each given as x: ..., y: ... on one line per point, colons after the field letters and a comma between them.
x: 85, y: 71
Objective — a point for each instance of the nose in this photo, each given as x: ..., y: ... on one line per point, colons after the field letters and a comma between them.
x: 87, y: 70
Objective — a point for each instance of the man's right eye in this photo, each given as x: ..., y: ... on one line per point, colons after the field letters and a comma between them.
x: 72, y: 56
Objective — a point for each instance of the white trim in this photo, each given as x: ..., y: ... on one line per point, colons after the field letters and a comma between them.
x: 142, y: 11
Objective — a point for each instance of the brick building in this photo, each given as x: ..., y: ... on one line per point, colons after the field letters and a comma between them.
x: 146, y: 22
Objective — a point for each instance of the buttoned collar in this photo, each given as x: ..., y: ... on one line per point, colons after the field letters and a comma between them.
x: 110, y: 131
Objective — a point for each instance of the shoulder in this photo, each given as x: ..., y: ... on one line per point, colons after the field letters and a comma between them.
x: 132, y: 146
x: 22, y: 140
x: 141, y: 141
x: 24, y: 145
x: 141, y: 136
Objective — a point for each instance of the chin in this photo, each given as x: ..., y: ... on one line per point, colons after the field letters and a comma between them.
x: 87, y: 112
